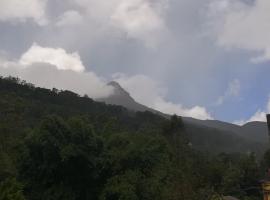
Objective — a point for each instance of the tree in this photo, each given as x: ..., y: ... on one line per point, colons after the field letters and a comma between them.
x: 10, y: 189
x: 60, y: 161
x: 137, y: 167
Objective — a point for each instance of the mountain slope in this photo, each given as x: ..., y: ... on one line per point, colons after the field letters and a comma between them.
x: 27, y: 105
x: 121, y: 97
x: 58, y: 145
x: 253, y: 131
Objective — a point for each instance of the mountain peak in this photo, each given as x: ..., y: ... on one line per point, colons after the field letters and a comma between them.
x: 115, y: 84
x: 118, y: 90
x: 121, y: 97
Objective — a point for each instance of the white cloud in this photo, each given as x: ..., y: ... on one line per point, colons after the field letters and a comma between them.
x: 54, y: 67
x: 243, y: 25
x: 50, y: 67
x: 70, y: 18
x: 21, y: 10
x: 150, y: 93
x: 60, y: 70
x: 141, y: 87
x: 260, y: 115
x: 197, y: 112
x: 54, y: 56
x: 231, y: 92
x: 138, y: 19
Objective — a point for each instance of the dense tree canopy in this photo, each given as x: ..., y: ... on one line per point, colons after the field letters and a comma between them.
x: 57, y: 145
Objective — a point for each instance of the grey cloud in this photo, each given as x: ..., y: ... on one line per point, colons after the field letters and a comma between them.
x: 243, y: 25
x: 20, y: 11
x: 48, y: 76
x: 152, y: 94
x: 50, y: 67
x: 184, y: 59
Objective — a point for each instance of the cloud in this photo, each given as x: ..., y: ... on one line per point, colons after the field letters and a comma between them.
x: 150, y: 93
x: 54, y: 68
x: 140, y: 18
x: 197, y: 112
x: 58, y: 57
x: 115, y: 34
x: 259, y: 115
x: 137, y: 19
x: 231, y: 92
x: 244, y: 25
x: 21, y: 10
x: 70, y: 18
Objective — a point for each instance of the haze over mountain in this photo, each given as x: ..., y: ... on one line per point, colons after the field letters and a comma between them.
x: 122, y: 98
x: 254, y: 131
x: 184, y: 117
x: 62, y: 144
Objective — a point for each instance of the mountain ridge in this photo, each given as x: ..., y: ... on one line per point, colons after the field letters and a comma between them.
x: 121, y: 97
x: 255, y: 131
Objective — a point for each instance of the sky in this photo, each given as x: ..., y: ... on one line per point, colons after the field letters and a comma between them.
x: 206, y: 59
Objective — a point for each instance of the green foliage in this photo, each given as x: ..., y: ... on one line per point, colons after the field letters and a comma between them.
x: 235, y: 175
x: 10, y: 189
x: 63, y: 146
x: 266, y: 161
x: 63, y: 156
x: 138, y: 167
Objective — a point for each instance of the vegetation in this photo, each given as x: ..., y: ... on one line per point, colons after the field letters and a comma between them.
x: 57, y: 145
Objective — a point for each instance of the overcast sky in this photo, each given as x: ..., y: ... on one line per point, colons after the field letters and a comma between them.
x: 207, y: 59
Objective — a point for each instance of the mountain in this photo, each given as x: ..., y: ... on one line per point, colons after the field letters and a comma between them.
x: 121, y: 97
x: 56, y: 144
x: 253, y: 131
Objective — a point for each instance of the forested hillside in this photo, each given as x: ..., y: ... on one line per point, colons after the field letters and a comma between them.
x: 58, y: 145
x: 206, y: 135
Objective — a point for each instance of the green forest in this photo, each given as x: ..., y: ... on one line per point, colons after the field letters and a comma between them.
x: 57, y: 145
